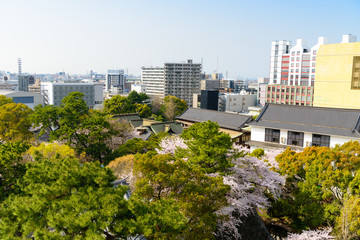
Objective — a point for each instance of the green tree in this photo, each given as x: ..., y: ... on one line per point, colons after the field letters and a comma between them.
x: 143, y: 110
x: 12, y: 167
x: 14, y: 122
x: 88, y: 132
x: 134, y: 146
x: 197, y: 196
x: 208, y: 147
x: 172, y: 107
x: 317, y: 181
x: 64, y: 198
x: 135, y: 97
x: 118, y: 105
x: 5, y: 100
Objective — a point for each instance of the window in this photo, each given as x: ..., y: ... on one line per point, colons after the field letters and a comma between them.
x: 355, y: 81
x: 313, y: 70
x: 314, y: 58
x: 314, y: 52
x: 313, y: 64
x: 297, y: 65
x: 320, y: 140
x: 272, y: 135
x: 295, y: 138
x: 297, y: 59
x: 298, y: 53
x: 292, y: 70
x: 292, y: 59
x: 292, y: 53
x: 297, y: 70
x: 292, y: 65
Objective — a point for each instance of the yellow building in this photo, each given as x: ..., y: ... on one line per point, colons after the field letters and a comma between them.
x: 337, y: 77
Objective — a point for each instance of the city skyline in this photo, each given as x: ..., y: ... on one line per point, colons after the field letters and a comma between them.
x: 231, y: 36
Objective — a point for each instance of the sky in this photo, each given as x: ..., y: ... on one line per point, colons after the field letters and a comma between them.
x: 233, y: 36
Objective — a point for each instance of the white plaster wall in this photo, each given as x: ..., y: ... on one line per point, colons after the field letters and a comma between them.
x: 340, y: 140
x: 307, y: 138
x: 257, y: 134
x: 283, y: 134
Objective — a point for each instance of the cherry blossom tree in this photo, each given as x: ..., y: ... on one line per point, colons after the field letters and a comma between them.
x: 321, y: 234
x: 170, y: 144
x: 251, y: 182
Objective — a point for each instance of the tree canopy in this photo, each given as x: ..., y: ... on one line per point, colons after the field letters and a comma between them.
x: 14, y: 122
x: 208, y: 147
x: 89, y: 132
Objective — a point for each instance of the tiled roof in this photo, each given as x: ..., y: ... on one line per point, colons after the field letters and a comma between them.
x: 225, y: 120
x: 330, y: 121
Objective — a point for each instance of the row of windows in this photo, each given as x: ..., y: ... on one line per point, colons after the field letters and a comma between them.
x: 298, y: 52
x: 296, y: 138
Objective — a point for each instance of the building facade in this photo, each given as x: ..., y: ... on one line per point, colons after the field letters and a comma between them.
x: 281, y: 125
x: 209, y: 84
x: 154, y: 80
x: 209, y: 99
x: 115, y: 82
x: 234, y: 102
x: 55, y: 92
x: 29, y: 99
x: 181, y: 80
x: 338, y: 75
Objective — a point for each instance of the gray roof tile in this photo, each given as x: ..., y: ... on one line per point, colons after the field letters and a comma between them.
x: 330, y: 121
x: 225, y: 120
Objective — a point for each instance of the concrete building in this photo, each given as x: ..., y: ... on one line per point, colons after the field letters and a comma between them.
x: 138, y: 88
x: 115, y: 82
x: 29, y: 99
x: 181, y: 80
x: 25, y: 81
x: 280, y: 125
x: 209, y: 99
x: 209, y: 84
x: 154, y: 80
x: 55, y: 92
x: 227, y: 83
x: 234, y: 102
x: 262, y: 90
x: 337, y: 76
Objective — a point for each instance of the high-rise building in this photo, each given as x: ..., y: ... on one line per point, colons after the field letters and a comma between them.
x: 292, y: 71
x: 181, y: 80
x: 337, y: 76
x: 154, y: 80
x: 115, y: 82
x: 25, y: 81
x: 278, y: 50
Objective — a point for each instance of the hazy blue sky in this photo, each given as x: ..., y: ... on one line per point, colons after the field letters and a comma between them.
x: 80, y: 35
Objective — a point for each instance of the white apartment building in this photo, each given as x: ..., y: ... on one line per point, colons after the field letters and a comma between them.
x: 138, y: 88
x: 55, y: 92
x: 181, y: 80
x: 235, y: 102
x: 154, y: 80
x: 294, y: 66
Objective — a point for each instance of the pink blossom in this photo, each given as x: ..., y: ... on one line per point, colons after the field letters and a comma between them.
x: 322, y: 234
x: 171, y: 144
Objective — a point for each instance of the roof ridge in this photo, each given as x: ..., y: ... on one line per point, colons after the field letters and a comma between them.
x: 314, y: 108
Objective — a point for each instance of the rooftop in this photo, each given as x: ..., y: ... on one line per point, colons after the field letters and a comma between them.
x: 225, y: 120
x: 330, y: 121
